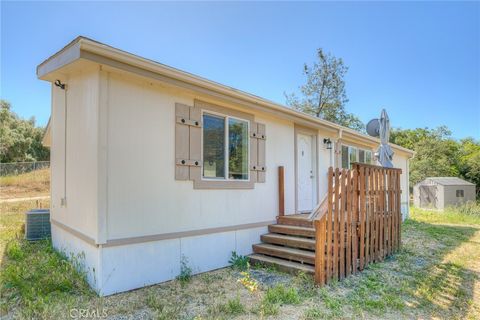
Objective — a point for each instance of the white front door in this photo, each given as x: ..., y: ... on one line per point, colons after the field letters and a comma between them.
x: 305, y: 173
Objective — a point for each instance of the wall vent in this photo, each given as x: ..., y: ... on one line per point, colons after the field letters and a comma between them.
x: 37, y: 224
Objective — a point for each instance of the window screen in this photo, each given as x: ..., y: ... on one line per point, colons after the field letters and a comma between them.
x: 221, y: 134
x: 361, y: 156
x: 237, y: 149
x: 459, y: 193
x: 352, y: 155
x: 345, y: 157
x: 213, y: 146
x: 368, y: 157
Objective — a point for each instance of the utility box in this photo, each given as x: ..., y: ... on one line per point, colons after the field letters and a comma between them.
x: 37, y: 224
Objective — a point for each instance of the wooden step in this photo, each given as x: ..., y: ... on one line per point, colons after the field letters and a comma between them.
x: 299, y: 255
x: 292, y: 230
x: 289, y: 241
x: 299, y: 220
x: 282, y: 265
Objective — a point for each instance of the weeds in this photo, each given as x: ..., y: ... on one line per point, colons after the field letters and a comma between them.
x: 239, y: 262
x: 315, y: 313
x: 233, y: 307
x: 276, y: 297
x: 185, y: 271
x: 162, y: 308
x: 34, y: 274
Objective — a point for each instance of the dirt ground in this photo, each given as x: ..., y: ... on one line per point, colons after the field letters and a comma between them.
x: 436, y: 275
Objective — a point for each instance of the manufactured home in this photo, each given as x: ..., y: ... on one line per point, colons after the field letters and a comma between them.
x: 151, y: 165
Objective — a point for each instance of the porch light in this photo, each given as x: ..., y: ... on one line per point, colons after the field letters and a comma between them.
x: 328, y: 142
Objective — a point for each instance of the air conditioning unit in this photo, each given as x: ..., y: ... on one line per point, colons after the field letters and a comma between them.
x: 37, y: 224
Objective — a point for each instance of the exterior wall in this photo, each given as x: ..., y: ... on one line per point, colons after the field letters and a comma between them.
x: 74, y: 163
x: 450, y: 196
x: 326, y: 159
x: 84, y: 255
x: 143, y: 196
x: 401, y: 161
x: 121, y: 191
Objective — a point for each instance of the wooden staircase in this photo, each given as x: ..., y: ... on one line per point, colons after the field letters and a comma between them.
x: 289, y: 245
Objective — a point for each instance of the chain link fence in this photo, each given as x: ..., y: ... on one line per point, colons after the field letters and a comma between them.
x: 15, y: 168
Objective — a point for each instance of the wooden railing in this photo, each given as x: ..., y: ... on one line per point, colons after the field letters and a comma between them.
x: 361, y: 223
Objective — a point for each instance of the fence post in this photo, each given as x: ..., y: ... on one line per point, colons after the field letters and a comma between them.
x: 281, y: 191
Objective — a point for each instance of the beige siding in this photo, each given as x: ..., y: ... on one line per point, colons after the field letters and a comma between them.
x: 401, y: 161
x: 143, y: 196
x: 79, y: 167
x: 450, y: 195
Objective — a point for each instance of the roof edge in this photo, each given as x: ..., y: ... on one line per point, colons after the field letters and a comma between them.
x: 83, y: 43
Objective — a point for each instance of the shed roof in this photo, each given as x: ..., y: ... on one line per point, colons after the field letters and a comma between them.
x: 449, y: 181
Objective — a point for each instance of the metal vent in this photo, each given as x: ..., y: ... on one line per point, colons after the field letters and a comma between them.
x: 37, y: 224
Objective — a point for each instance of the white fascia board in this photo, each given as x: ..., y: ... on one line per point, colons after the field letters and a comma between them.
x: 62, y: 58
x: 73, y: 50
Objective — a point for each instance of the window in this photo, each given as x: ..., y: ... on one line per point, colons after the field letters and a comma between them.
x: 345, y: 162
x: 361, y: 156
x: 459, y: 193
x: 225, y: 147
x: 368, y: 156
x: 213, y: 146
x: 352, y: 154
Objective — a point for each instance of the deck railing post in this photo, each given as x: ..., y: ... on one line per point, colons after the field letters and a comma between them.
x: 281, y: 191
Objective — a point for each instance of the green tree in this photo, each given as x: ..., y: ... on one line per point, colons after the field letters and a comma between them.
x: 324, y: 95
x: 469, y: 165
x: 437, y: 154
x: 20, y: 140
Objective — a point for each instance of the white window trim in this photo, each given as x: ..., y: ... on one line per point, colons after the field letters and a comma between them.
x: 227, y: 151
x: 198, y: 182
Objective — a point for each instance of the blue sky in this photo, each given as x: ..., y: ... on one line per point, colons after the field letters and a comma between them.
x: 421, y: 61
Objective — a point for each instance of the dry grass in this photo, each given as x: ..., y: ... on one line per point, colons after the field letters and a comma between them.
x: 435, y: 276
x: 31, y: 184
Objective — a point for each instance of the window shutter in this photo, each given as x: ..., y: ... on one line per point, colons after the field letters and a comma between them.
x: 261, y: 175
x: 195, y: 142
x: 253, y: 152
x: 257, y: 152
x: 187, y: 141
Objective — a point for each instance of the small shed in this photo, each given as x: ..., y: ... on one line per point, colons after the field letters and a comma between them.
x: 441, y: 192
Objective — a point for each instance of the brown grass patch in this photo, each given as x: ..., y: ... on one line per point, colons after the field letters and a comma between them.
x: 31, y: 184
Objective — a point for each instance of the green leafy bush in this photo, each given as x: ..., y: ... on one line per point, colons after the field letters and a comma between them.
x: 239, y: 262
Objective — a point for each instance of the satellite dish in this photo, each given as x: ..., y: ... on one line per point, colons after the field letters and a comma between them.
x: 373, y: 128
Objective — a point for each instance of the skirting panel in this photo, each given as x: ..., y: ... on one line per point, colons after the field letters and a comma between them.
x: 132, y: 266
x: 86, y: 256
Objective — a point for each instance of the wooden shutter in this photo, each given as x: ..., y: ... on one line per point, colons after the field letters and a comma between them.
x: 257, y: 152
x: 261, y: 177
x: 187, y: 141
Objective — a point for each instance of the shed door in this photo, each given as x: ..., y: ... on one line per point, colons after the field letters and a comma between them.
x: 305, y: 173
x: 428, y: 197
